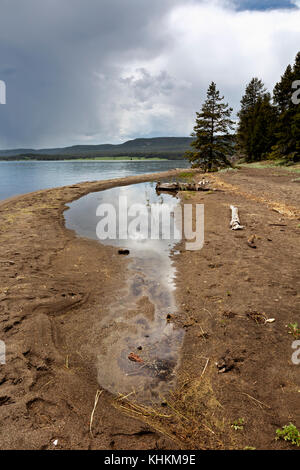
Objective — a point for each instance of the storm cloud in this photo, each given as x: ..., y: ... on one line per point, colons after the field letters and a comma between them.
x: 97, y: 71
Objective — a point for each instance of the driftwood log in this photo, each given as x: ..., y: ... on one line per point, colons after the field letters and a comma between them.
x: 235, y: 221
x: 176, y: 186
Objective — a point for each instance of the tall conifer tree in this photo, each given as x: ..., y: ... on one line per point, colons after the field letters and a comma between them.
x: 257, y: 118
x: 212, y: 144
x: 288, y: 126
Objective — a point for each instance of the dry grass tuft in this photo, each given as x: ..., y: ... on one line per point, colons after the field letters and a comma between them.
x: 192, y: 416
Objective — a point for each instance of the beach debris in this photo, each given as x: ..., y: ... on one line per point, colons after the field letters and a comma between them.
x: 278, y: 225
x: 135, y: 358
x: 176, y: 186
x: 97, y: 396
x: 205, y: 367
x: 270, y: 320
x: 190, y: 322
x: 251, y: 241
x: 225, y: 365
x: 162, y: 368
x: 235, y: 221
x: 55, y: 442
x: 228, y: 314
x: 123, y: 251
x: 203, y: 334
x: 229, y: 361
x: 203, y: 182
x: 259, y: 318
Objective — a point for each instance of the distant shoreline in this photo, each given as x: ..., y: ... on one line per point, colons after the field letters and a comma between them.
x: 88, y: 159
x: 169, y: 148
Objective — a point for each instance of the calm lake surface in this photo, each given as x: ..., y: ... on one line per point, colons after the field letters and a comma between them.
x: 27, y: 176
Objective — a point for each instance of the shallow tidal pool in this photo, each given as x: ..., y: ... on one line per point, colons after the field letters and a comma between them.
x: 138, y: 321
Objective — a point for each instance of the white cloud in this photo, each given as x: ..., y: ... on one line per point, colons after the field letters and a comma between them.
x: 209, y: 42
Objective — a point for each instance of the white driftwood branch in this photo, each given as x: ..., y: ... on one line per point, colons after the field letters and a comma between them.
x: 235, y: 221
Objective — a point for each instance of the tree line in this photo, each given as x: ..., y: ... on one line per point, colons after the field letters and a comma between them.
x: 268, y: 125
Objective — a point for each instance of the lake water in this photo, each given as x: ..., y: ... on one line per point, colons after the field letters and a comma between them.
x: 27, y: 176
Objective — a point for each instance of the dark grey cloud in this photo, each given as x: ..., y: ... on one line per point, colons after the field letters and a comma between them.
x: 50, y: 53
x: 106, y: 70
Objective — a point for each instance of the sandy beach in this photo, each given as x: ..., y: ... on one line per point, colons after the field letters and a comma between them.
x: 56, y: 289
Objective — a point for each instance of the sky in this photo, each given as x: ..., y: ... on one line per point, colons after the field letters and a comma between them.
x: 106, y: 71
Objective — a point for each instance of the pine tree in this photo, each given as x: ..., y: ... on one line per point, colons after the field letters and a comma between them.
x: 263, y: 132
x: 282, y: 93
x: 254, y: 90
x: 213, y: 143
x: 288, y: 126
x: 257, y: 118
x: 295, y: 125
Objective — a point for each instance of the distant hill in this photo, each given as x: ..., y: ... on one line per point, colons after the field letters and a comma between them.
x: 163, y: 147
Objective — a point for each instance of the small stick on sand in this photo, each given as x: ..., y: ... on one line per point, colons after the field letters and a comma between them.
x: 254, y: 399
x: 97, y: 396
x: 205, y: 367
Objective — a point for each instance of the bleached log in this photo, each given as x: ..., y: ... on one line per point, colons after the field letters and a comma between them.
x: 235, y: 221
x: 182, y: 186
